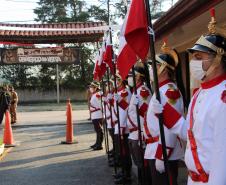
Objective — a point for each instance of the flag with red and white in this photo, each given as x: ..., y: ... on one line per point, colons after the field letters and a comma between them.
x: 96, y: 68
x: 126, y: 56
x: 136, y: 32
x: 109, y: 54
x: 100, y: 66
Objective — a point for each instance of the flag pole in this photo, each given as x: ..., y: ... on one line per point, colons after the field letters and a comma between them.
x: 105, y: 123
x: 109, y: 90
x: 156, y: 90
x: 139, y: 128
x: 116, y: 90
x: 101, y: 102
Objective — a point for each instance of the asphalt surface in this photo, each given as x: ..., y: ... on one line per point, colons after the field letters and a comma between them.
x: 39, y: 159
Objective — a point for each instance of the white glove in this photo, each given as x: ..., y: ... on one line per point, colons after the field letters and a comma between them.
x: 109, y: 96
x: 136, y: 100
x: 116, y: 97
x: 159, y: 164
x: 155, y: 106
x: 104, y: 99
x: 101, y: 93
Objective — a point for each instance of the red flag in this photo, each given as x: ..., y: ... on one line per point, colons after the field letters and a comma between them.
x: 100, y: 67
x: 96, y: 69
x: 136, y: 33
x: 126, y: 57
x: 101, y: 64
x: 108, y: 54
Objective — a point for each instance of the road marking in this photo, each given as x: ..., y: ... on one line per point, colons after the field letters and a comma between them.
x: 6, y: 151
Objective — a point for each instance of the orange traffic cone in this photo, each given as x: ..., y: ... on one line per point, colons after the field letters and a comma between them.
x: 69, y: 126
x: 8, y: 139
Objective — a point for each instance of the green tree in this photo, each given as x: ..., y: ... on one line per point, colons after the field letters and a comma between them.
x: 51, y: 11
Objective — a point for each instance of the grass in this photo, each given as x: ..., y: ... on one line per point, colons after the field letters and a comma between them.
x: 51, y: 107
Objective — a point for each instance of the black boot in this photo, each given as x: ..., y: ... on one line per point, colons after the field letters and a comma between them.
x: 98, y: 148
x: 99, y: 141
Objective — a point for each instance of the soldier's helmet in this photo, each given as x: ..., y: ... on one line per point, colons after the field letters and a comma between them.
x: 214, y: 42
x: 139, y: 69
x: 211, y: 43
x: 94, y: 84
x: 167, y: 58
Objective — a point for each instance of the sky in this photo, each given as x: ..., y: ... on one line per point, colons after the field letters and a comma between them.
x: 21, y: 11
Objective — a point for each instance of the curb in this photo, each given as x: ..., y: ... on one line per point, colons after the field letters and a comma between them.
x: 50, y: 124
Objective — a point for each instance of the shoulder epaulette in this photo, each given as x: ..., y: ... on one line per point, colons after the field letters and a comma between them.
x: 144, y: 93
x: 172, y: 93
x: 124, y: 94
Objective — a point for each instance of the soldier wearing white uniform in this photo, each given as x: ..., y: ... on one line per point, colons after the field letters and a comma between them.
x: 205, y: 125
x: 96, y: 114
x: 142, y: 99
x: 123, y: 98
x: 166, y: 66
x: 109, y: 110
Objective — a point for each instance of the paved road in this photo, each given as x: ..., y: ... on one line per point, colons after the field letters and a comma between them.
x: 41, y: 160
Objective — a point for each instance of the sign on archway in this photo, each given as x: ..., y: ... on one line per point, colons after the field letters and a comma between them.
x: 36, y: 56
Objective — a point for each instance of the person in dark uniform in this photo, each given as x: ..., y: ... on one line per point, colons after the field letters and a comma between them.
x: 4, y: 101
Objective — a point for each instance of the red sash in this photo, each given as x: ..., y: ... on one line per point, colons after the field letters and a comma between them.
x: 133, y: 125
x: 202, y: 176
x: 150, y: 138
x: 94, y: 109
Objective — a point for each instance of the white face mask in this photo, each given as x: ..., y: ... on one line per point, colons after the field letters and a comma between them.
x: 151, y: 74
x: 130, y: 81
x: 196, y: 69
x: 91, y: 89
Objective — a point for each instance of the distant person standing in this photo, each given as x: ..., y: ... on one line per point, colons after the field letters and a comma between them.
x: 4, y: 101
x: 13, y: 105
x: 96, y: 114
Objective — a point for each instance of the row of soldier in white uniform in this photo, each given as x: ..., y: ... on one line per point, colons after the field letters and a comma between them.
x: 203, y: 127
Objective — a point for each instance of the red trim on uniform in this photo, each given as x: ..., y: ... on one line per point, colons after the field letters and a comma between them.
x: 203, y: 176
x: 133, y: 125
x: 213, y: 82
x: 150, y: 138
x: 197, y: 177
x: 124, y: 94
x: 143, y: 109
x: 194, y: 91
x: 173, y: 94
x: 111, y: 102
x: 170, y: 116
x: 223, y: 96
x: 123, y: 104
x: 139, y: 84
x: 164, y: 82
x: 144, y: 93
x: 159, y: 153
x: 121, y: 88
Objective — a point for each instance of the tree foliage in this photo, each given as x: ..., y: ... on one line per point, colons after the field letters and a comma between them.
x: 71, y: 76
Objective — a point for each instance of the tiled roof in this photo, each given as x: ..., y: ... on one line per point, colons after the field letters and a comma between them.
x: 33, y: 33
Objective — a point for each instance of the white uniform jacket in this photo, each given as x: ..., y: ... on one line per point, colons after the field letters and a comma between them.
x: 108, y: 116
x: 95, y: 106
x: 175, y: 150
x: 205, y: 130
x: 123, y: 104
x: 144, y: 96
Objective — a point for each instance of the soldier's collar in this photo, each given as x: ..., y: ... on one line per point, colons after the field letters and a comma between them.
x: 213, y: 82
x: 165, y: 82
x: 139, y: 84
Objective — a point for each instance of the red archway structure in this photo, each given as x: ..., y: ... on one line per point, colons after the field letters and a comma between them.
x: 72, y: 32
